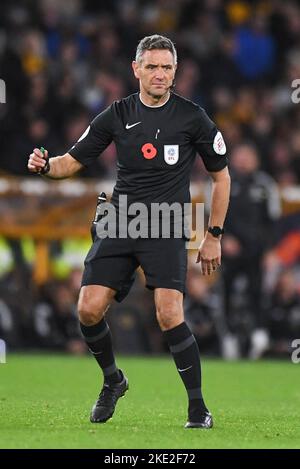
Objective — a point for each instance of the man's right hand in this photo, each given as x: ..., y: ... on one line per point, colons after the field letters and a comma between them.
x: 37, y: 160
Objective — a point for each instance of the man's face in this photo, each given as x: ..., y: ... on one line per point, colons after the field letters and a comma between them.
x: 244, y: 160
x: 155, y: 71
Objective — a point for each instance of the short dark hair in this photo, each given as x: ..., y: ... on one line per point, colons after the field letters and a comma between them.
x: 155, y: 42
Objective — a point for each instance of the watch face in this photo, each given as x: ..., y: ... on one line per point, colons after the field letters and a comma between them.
x: 216, y: 231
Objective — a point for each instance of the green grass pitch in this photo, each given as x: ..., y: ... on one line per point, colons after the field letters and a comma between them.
x: 45, y: 402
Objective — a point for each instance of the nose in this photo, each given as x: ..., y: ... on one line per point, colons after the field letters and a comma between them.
x: 159, y: 74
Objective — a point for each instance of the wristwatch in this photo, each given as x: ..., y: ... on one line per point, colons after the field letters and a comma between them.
x: 216, y: 231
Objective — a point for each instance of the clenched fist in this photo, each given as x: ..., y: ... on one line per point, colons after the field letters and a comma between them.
x: 37, y: 160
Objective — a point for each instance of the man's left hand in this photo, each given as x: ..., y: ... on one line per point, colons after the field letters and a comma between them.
x: 209, y: 254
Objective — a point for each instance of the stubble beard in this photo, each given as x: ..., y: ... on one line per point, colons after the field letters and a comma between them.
x: 159, y: 96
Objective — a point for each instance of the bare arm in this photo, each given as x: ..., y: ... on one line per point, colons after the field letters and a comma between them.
x: 210, y: 249
x: 60, y: 166
x: 219, y: 197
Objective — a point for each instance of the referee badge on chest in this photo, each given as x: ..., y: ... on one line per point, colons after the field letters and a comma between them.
x: 171, y: 154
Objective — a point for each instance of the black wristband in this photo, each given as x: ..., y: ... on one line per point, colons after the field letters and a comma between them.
x: 46, y: 168
x: 216, y: 231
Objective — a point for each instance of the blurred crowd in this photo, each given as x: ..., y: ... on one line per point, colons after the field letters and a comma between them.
x: 64, y: 62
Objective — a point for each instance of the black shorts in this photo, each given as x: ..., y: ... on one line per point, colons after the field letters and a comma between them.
x: 113, y: 262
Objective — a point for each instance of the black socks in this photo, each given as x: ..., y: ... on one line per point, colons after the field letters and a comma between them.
x: 99, y: 342
x: 184, y: 349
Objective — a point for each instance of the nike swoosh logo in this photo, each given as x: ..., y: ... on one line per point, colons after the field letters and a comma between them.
x: 132, y: 125
x: 95, y: 353
x: 184, y: 369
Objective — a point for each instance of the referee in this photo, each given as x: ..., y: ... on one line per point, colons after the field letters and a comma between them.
x: 157, y: 135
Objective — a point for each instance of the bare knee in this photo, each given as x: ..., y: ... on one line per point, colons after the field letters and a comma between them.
x: 169, y: 310
x: 94, y: 301
x: 90, y: 314
x: 169, y: 316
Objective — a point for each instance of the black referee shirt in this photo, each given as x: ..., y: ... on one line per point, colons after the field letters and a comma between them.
x: 156, y: 147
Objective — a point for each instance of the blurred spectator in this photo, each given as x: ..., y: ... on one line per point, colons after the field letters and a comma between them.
x: 285, y: 253
x: 10, y: 327
x: 254, y: 207
x: 187, y: 80
x: 283, y: 315
x: 16, y: 300
x: 237, y: 59
x: 33, y: 52
x: 55, y: 320
x: 255, y: 49
x: 203, y: 37
x: 202, y: 305
x: 37, y: 134
x: 133, y: 323
x: 220, y: 69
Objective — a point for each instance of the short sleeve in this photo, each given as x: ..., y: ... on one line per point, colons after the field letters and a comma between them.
x: 95, y: 139
x: 209, y: 142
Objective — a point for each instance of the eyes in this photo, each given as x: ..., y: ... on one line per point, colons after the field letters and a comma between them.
x: 154, y: 67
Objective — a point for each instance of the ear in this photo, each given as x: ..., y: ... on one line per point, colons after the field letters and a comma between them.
x: 135, y: 68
